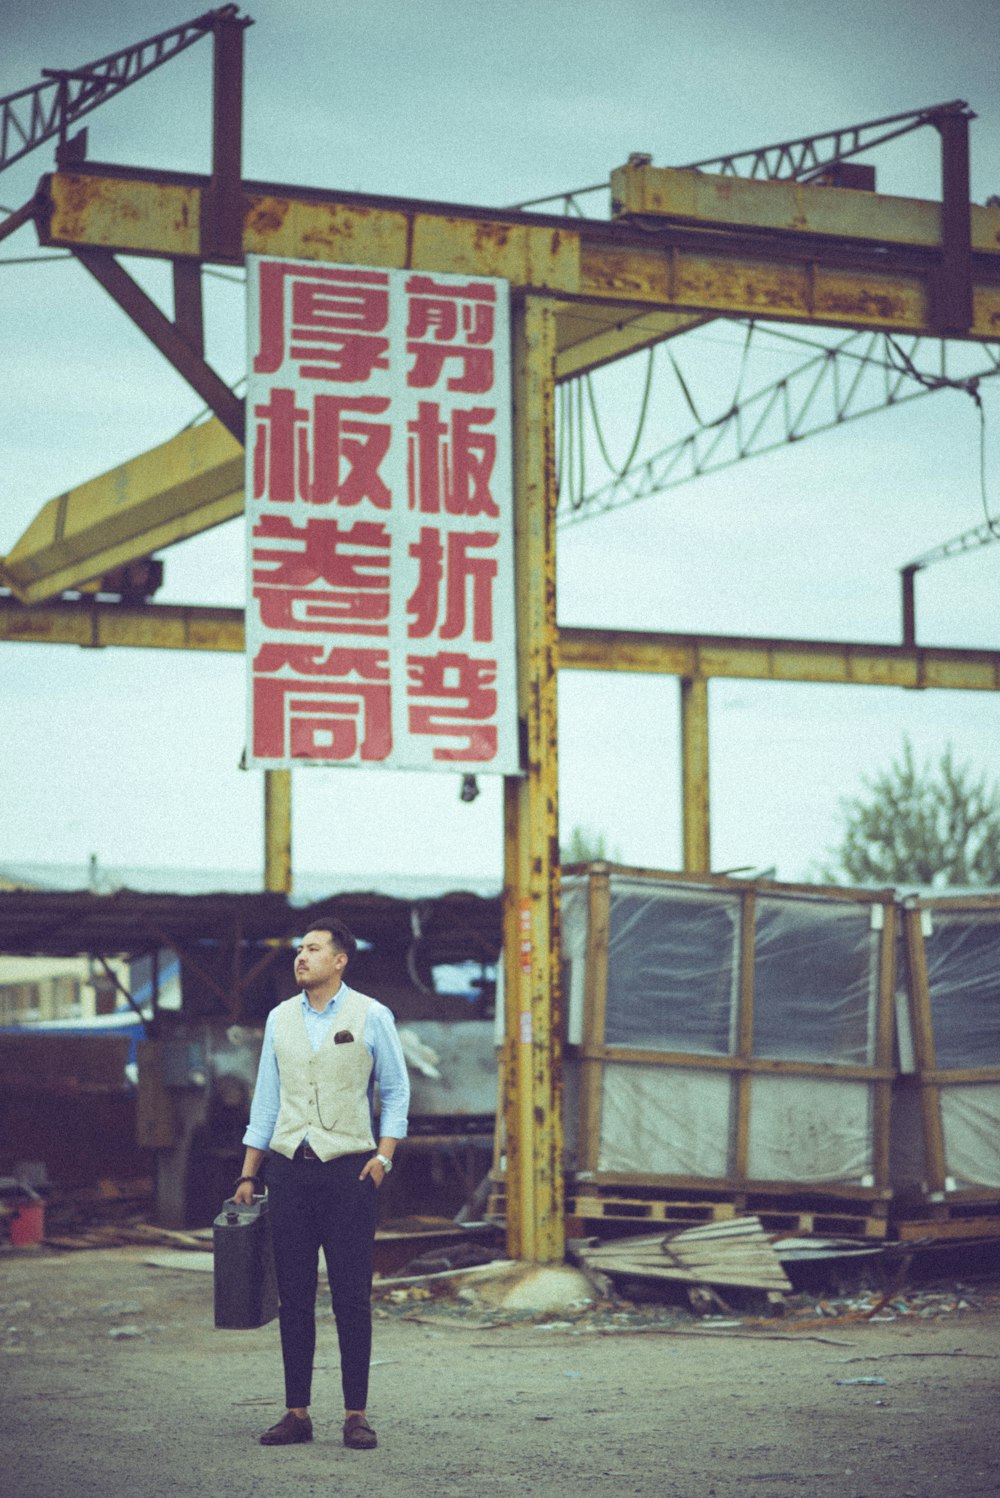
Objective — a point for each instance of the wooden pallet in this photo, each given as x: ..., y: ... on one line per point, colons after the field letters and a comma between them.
x: 951, y: 1222
x: 836, y: 1219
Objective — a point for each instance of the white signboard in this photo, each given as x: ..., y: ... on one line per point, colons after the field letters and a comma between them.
x: 380, y: 623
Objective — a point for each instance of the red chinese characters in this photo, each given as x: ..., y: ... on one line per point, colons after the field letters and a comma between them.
x: 329, y: 320
x: 450, y: 330
x: 314, y: 703
x: 322, y: 577
x: 326, y: 452
x: 453, y: 696
x: 458, y: 559
x: 380, y: 556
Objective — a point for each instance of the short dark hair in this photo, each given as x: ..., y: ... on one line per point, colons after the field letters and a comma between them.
x: 341, y: 936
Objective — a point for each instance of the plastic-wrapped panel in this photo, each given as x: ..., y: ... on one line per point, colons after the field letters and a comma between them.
x: 673, y: 968
x: 963, y: 970
x: 970, y: 1117
x: 573, y: 924
x: 815, y: 981
x: 810, y: 1131
x: 661, y: 1120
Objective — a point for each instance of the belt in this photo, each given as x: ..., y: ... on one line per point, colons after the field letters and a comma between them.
x: 305, y: 1153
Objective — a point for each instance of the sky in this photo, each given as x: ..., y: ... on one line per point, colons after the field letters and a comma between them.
x: 133, y: 756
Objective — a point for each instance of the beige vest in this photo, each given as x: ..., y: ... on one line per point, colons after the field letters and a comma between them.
x: 324, y: 1093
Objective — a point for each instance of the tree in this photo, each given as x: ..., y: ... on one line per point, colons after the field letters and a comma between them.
x: 936, y: 827
x: 585, y: 846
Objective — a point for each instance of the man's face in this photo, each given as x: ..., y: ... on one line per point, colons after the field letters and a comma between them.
x: 318, y: 961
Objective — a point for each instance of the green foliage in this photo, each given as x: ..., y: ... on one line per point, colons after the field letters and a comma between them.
x: 933, y: 826
x: 586, y: 846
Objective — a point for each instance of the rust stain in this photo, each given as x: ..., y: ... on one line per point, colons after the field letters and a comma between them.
x: 604, y: 275
x: 866, y: 304
x: 81, y: 199
x: 497, y: 235
x: 267, y: 215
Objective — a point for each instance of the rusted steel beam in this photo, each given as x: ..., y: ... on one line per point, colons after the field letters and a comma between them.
x: 14, y: 220
x: 867, y: 265
x: 95, y: 625
x: 532, y: 1052
x: 836, y: 662
x: 953, y: 309
x: 278, y: 831
x: 160, y: 626
x: 189, y: 319
x: 696, y: 822
x: 907, y: 577
x: 178, y: 489
x: 222, y: 226
x: 167, y: 337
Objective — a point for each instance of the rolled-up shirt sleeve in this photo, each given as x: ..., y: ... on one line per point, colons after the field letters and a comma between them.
x: 266, y: 1094
x: 390, y: 1071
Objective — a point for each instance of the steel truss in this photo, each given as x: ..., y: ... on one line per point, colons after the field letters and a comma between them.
x: 807, y: 159
x: 46, y: 110
x: 864, y: 373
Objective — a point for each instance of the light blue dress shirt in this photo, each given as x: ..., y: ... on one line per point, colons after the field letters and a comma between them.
x: 388, y: 1070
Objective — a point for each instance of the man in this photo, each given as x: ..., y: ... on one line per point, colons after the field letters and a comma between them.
x: 312, y: 1109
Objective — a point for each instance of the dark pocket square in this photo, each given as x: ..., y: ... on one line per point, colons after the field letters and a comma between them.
x: 342, y: 1037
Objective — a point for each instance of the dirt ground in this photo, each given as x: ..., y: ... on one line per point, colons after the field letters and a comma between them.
x: 114, y: 1381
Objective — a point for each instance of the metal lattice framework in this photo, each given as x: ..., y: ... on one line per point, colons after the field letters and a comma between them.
x: 813, y: 155
x: 801, y: 160
x: 863, y: 374
x: 980, y: 535
x: 46, y: 110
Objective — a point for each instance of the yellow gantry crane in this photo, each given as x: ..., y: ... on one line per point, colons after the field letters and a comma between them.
x: 683, y: 245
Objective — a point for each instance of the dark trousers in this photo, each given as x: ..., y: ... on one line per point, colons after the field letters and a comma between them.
x: 316, y: 1204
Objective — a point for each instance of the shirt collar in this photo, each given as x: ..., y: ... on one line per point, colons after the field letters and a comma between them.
x: 331, y: 1004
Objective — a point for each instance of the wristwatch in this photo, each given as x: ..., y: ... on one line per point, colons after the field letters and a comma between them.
x: 385, y: 1162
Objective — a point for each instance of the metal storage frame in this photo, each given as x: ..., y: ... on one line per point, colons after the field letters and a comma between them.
x: 592, y: 1054
x: 946, y: 1202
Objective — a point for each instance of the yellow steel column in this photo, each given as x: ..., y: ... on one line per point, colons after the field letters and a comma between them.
x: 694, y: 774
x: 532, y: 1091
x: 278, y: 831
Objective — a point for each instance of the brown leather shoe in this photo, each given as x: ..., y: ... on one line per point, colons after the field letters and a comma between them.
x: 358, y: 1434
x: 289, y: 1431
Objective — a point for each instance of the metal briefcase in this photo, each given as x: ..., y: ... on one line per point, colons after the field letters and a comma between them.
x: 246, y: 1290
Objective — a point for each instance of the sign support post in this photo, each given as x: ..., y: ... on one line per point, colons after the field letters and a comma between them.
x: 532, y: 1091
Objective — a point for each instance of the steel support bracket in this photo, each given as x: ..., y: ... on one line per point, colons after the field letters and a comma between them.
x: 223, y: 208
x: 170, y: 338
x: 952, y: 310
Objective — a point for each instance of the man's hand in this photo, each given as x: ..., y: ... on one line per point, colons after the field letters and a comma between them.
x: 375, y: 1169
x: 253, y: 1163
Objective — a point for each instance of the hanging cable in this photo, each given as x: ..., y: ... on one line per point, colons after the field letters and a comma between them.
x: 992, y: 521
x: 745, y: 359
x: 683, y: 384
x: 970, y: 388
x: 640, y: 427
x: 35, y: 259
x: 581, y: 438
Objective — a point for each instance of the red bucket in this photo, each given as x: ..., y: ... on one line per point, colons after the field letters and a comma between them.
x: 27, y: 1226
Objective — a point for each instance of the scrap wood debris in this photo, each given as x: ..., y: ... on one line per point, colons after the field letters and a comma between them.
x: 737, y: 1253
x: 125, y: 1235
x: 109, y: 1214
